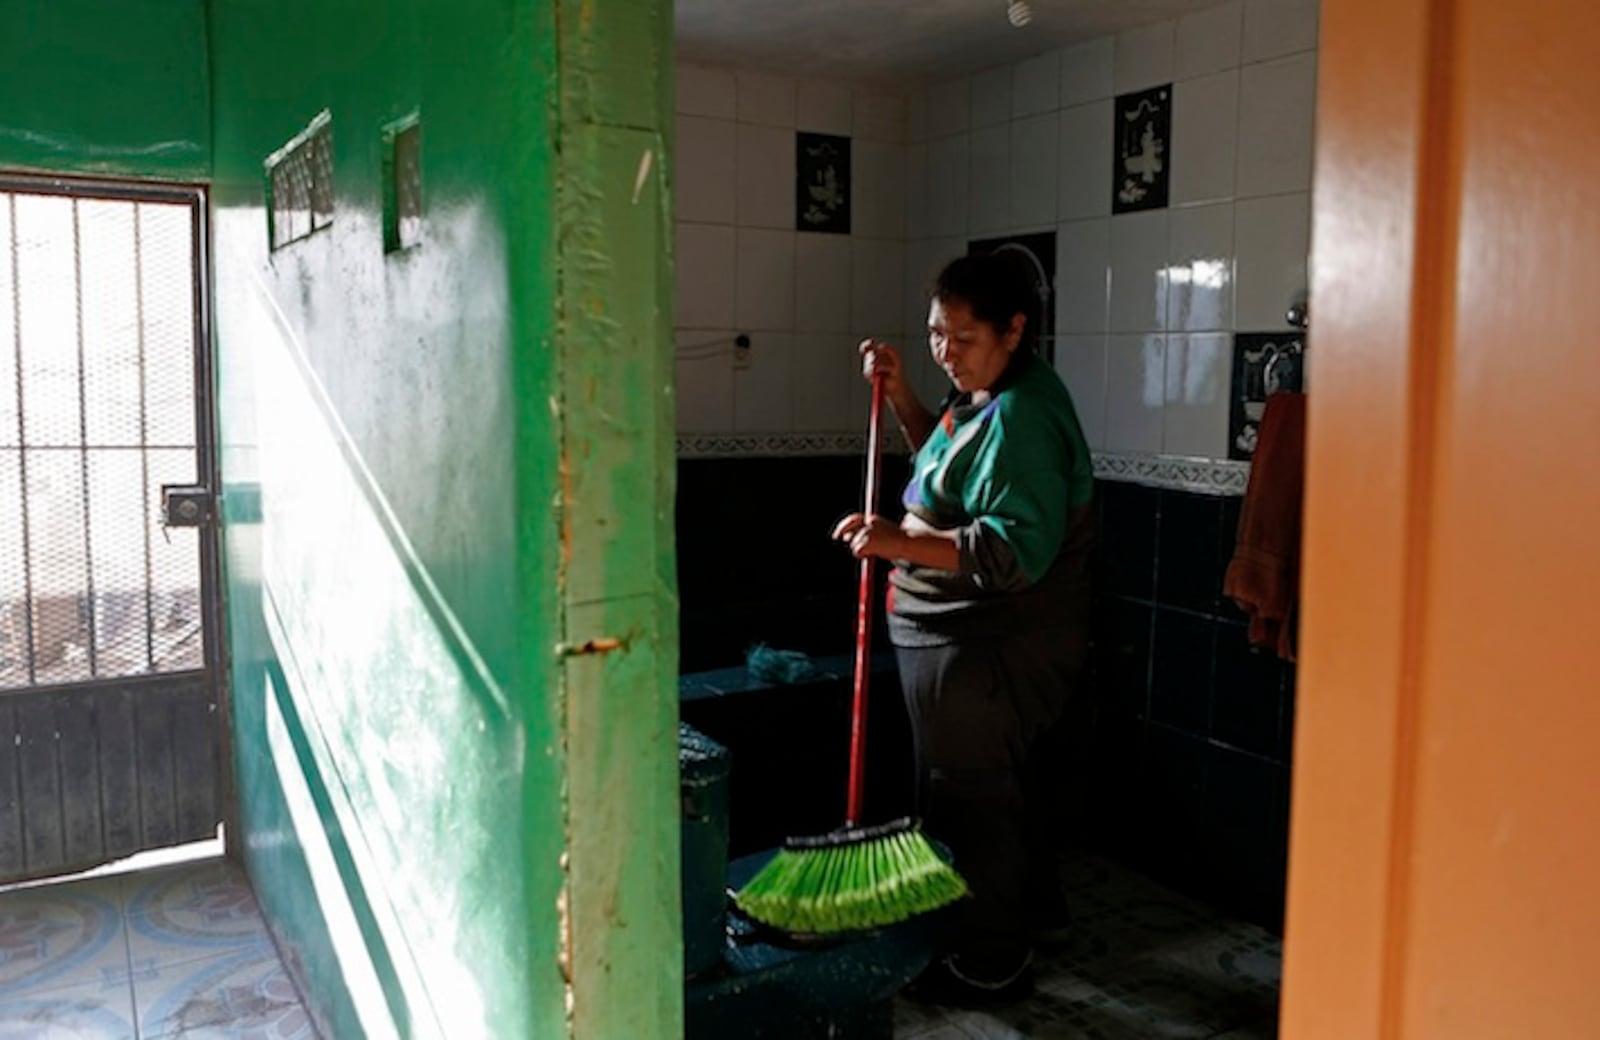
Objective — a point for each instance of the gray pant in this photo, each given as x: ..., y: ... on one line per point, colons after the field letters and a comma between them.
x: 977, y: 709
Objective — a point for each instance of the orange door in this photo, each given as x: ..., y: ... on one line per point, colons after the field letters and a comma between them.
x: 1445, y: 863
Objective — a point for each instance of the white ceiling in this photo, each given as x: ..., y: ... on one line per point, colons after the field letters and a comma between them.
x: 897, y: 40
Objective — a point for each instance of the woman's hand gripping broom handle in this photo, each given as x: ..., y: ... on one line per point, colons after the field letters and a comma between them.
x: 858, y: 714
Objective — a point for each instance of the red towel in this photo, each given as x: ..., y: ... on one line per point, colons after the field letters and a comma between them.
x: 1264, y: 577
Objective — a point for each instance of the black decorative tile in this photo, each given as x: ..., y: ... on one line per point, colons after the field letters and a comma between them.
x: 1285, y: 749
x: 1172, y: 805
x: 1227, y: 539
x: 1246, y: 842
x: 1115, y: 804
x: 1142, y: 150
x: 1263, y: 364
x: 1122, y: 656
x: 730, y: 513
x: 1246, y: 694
x: 1128, y: 539
x: 822, y: 183
x: 1180, y: 675
x: 1189, y: 574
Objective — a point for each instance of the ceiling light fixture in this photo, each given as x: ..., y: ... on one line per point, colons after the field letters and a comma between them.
x: 1019, y: 12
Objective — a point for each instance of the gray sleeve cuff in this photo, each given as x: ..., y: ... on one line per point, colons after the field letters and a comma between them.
x: 989, y: 559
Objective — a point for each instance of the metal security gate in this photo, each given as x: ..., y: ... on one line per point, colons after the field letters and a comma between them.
x: 111, y: 722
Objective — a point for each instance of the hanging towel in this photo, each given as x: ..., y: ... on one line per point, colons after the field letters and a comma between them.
x: 1264, y: 577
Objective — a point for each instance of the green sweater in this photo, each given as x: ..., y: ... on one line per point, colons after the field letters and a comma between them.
x: 1013, y: 477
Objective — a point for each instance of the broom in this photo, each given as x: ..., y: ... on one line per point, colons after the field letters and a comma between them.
x: 857, y: 877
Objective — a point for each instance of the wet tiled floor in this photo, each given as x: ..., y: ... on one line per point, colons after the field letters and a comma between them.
x: 1140, y: 963
x: 177, y: 952
x: 182, y: 952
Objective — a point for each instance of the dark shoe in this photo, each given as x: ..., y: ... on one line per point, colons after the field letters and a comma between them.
x: 964, y: 981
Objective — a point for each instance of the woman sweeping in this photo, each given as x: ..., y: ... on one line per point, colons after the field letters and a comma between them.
x: 989, y: 596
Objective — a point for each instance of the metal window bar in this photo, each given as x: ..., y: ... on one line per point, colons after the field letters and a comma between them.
x: 83, y: 435
x: 22, y: 452
x: 144, y: 430
x: 182, y: 635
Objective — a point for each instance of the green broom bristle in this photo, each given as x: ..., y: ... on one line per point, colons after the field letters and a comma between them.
x: 851, y: 886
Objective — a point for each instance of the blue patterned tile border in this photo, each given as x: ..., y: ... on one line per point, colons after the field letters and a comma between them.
x: 1178, y: 472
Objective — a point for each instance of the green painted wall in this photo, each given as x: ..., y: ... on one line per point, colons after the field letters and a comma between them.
x: 441, y: 468
x: 93, y: 87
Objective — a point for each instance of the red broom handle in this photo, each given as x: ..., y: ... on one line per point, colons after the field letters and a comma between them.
x: 858, y: 713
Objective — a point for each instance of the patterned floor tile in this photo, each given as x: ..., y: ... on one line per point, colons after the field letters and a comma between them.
x: 86, y: 1011
x: 61, y: 935
x: 240, y: 996
x: 191, y: 913
x: 1139, y: 963
x: 1265, y: 1031
x: 914, y: 1019
x: 941, y: 1030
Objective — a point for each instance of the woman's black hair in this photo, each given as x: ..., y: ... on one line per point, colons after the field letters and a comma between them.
x: 996, y: 286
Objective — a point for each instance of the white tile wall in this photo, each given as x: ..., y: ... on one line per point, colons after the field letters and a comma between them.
x: 763, y: 393
x: 1146, y: 304
x: 822, y: 368
x: 705, y: 91
x: 918, y: 115
x: 877, y: 274
x: 922, y: 264
x: 1036, y: 85
x: 1081, y: 362
x: 1086, y: 139
x: 704, y: 182
x: 1273, y: 28
x: 1144, y: 57
x: 1035, y: 182
x: 822, y: 283
x: 1139, y: 244
x: 989, y: 189
x: 991, y: 97
x: 880, y: 117
x: 1272, y: 237
x: 1210, y: 40
x: 949, y: 173
x: 766, y: 177
x: 878, y: 193
x: 704, y: 387
x: 765, y: 99
x: 1195, y: 418
x: 1136, y: 392
x: 824, y: 107
x: 1277, y: 108
x: 1205, y: 137
x: 1086, y: 71
x: 705, y: 276
x: 765, y: 291
x: 919, y: 213
x: 1083, y: 276
x: 949, y: 107
x: 1200, y: 274
x: 803, y: 298
x: 924, y: 259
